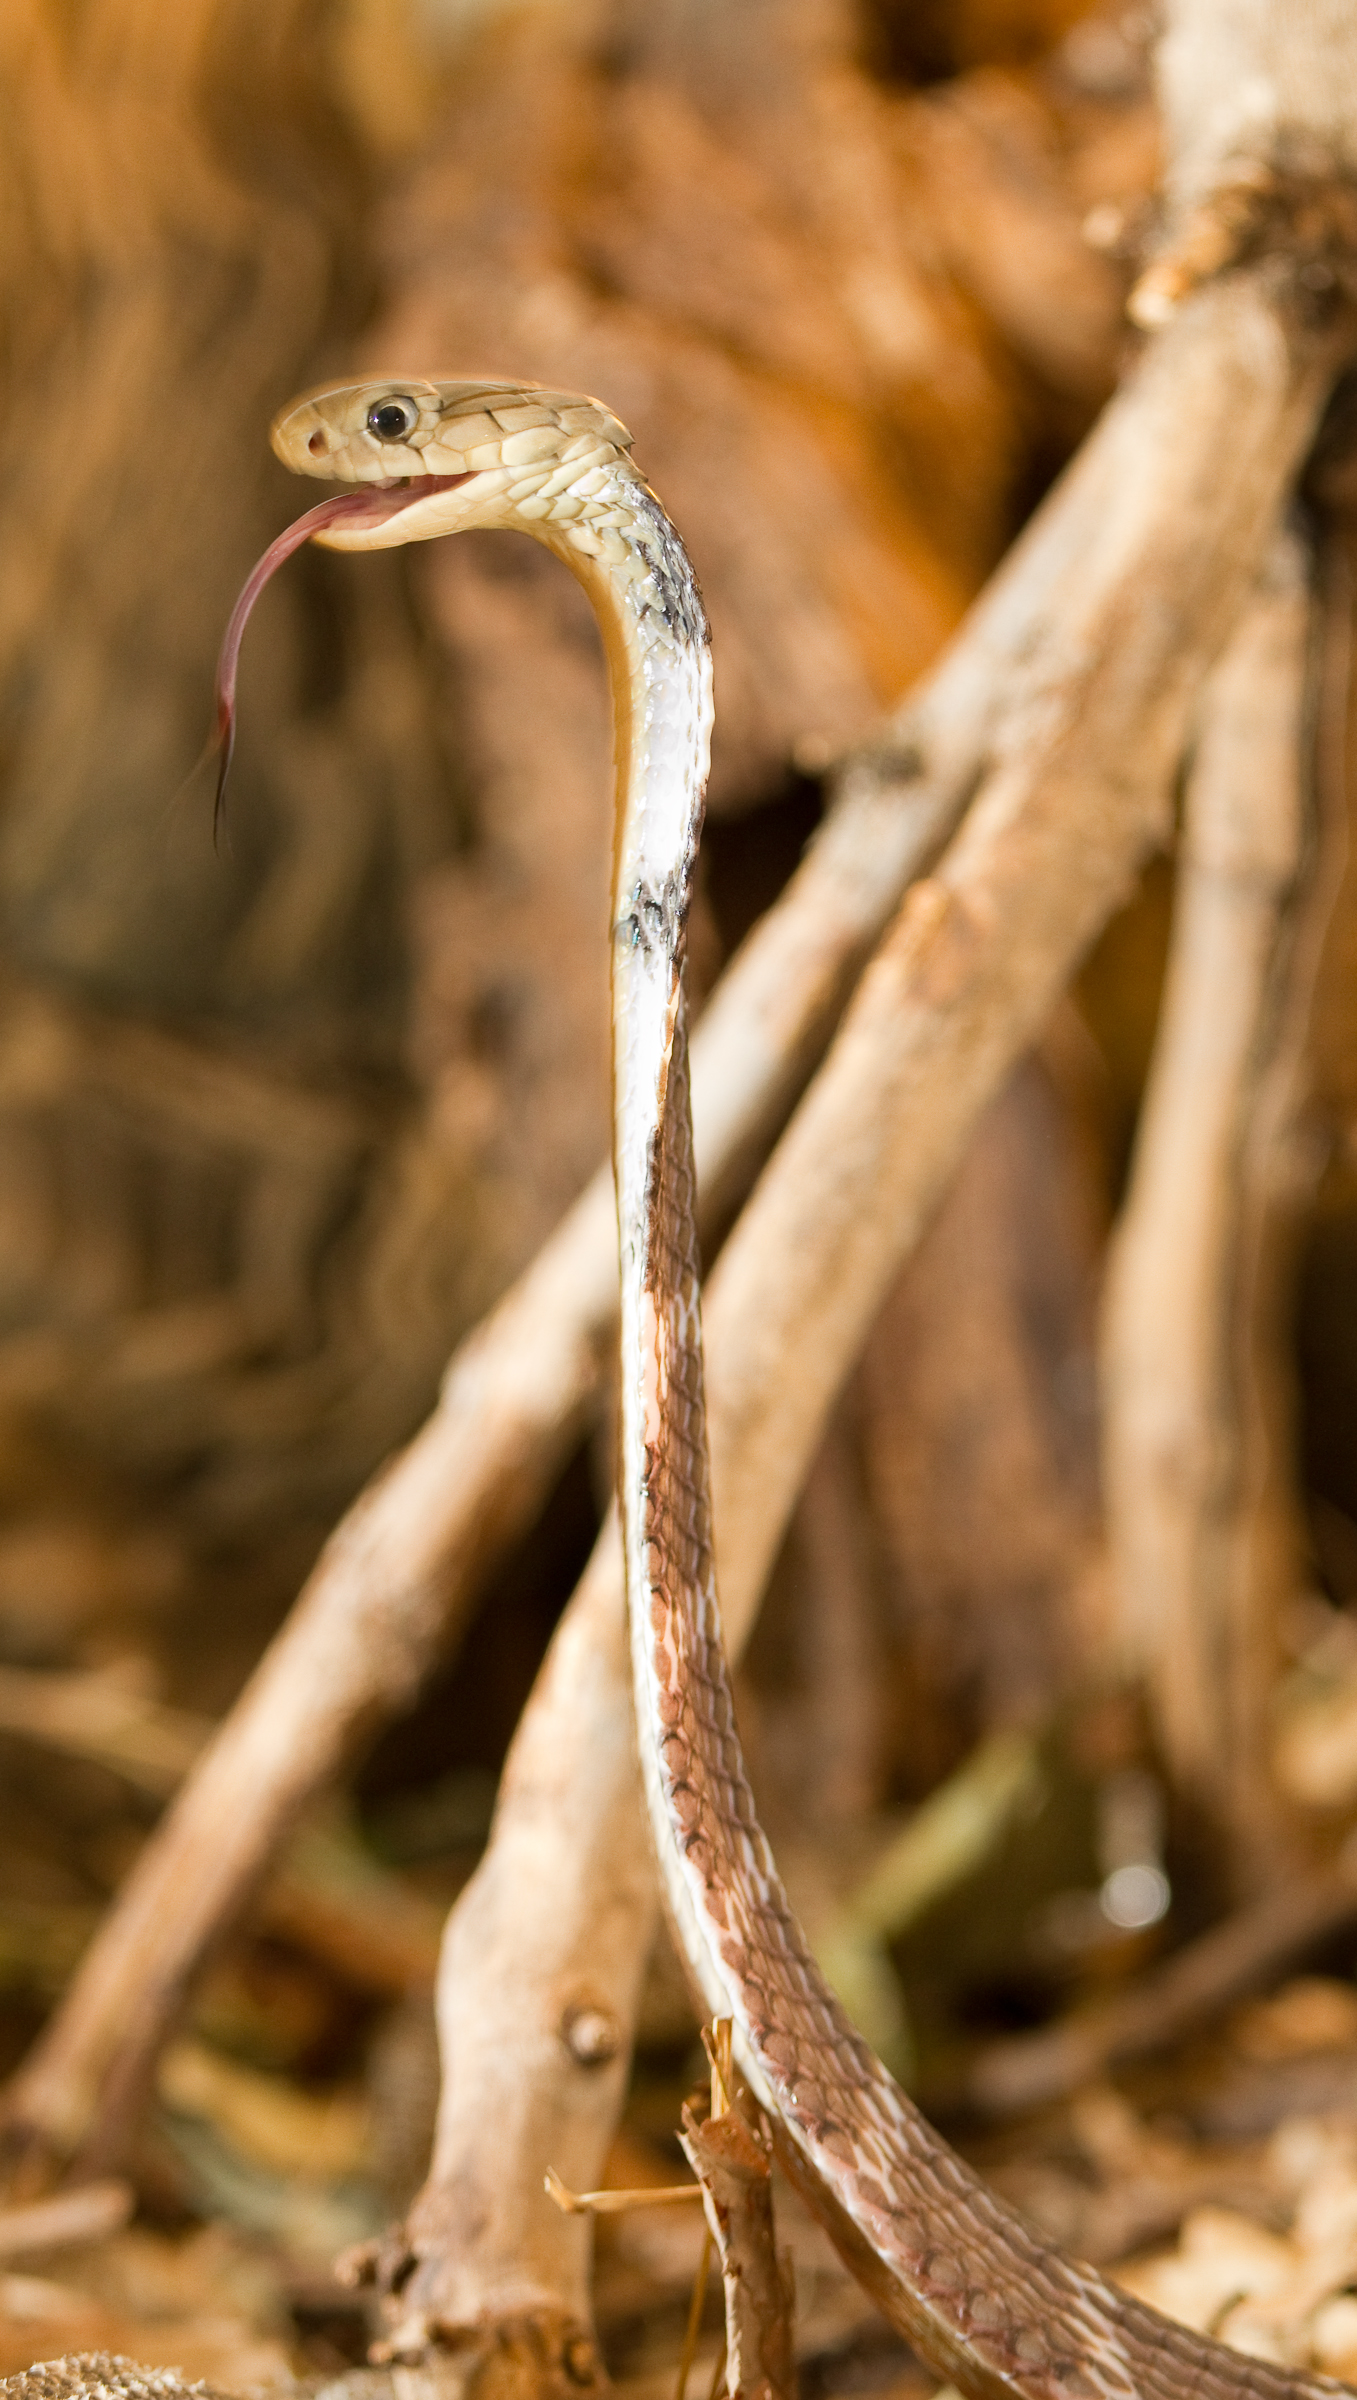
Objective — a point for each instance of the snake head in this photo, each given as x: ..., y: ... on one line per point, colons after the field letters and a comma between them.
x: 438, y: 457
x: 415, y: 459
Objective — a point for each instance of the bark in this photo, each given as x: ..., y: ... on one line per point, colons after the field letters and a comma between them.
x: 940, y: 1571
x: 204, y: 1102
x: 1242, y: 81
x: 816, y: 1689
x: 977, y: 1401
x: 1203, y: 1518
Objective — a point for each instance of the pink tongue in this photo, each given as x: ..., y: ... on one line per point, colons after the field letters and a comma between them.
x: 374, y: 504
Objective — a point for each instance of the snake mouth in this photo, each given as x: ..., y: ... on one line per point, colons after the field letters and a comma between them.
x: 367, y: 504
x: 398, y: 491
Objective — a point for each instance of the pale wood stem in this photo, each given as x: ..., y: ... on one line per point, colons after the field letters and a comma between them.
x: 1202, y: 1515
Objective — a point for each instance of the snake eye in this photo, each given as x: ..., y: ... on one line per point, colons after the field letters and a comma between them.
x: 391, y: 420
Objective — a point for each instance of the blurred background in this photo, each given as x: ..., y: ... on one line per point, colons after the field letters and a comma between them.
x: 278, y: 1121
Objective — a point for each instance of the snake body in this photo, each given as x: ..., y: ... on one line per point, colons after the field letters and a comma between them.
x: 984, y: 2301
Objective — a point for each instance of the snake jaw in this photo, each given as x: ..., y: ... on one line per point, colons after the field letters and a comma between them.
x: 402, y: 509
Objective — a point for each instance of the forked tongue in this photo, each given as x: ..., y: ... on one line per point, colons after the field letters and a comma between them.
x: 343, y: 504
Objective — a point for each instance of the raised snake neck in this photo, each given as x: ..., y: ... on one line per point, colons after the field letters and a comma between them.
x: 983, y: 2300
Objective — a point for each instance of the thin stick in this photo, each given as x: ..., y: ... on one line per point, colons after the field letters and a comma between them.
x: 88, y: 2214
x: 616, y: 2203
x: 695, y: 2308
x: 329, y: 1895
x: 717, y: 2040
x: 97, y: 1716
x: 735, y: 2169
x: 1203, y: 1519
x: 1030, y: 2070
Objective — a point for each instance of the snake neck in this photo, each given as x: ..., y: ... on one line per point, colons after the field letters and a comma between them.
x: 642, y: 585
x: 655, y: 633
x: 645, y: 594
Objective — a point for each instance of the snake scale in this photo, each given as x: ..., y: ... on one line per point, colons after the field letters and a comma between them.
x: 982, y: 2299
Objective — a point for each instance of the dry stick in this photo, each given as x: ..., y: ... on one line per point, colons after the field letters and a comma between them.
x: 736, y: 2176
x: 734, y: 2169
x: 98, y: 1715
x: 1028, y: 2070
x: 1192, y: 461
x: 89, y: 2214
x: 328, y: 1894
x: 1202, y: 1518
x: 616, y: 2203
x: 397, y: 1578
x: 693, y: 2328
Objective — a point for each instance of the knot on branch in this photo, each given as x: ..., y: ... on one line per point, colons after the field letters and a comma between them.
x: 1295, y: 208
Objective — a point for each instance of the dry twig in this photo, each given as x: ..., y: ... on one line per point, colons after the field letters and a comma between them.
x: 1202, y: 1517
x: 1234, y: 1957
x: 328, y: 1893
x: 87, y: 2214
x: 616, y: 2203
x: 734, y: 2169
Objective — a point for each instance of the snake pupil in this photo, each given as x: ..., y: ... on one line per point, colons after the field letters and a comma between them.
x: 391, y: 420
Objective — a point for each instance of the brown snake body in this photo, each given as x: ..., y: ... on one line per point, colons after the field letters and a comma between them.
x: 981, y: 2297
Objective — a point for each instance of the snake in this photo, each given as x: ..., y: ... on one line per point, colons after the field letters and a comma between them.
x: 981, y: 2297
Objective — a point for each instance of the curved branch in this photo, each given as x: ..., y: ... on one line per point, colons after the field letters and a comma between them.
x: 1202, y: 1521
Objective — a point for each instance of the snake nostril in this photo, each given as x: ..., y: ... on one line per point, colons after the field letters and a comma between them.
x: 316, y: 443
